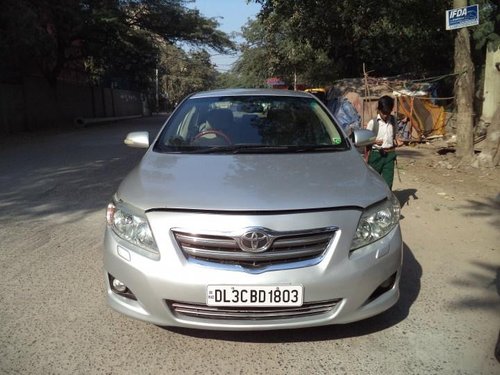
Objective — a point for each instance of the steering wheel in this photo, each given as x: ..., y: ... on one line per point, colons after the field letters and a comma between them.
x: 217, y: 133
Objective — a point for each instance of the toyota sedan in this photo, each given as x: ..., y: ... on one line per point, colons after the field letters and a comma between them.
x: 252, y: 210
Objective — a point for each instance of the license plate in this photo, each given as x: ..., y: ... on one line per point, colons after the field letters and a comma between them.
x: 253, y: 295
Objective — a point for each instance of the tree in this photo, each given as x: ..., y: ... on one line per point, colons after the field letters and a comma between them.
x: 229, y: 79
x: 464, y: 91
x: 44, y: 35
x: 280, y: 54
x: 486, y: 39
x: 391, y: 37
x: 253, y: 67
x: 182, y: 73
x: 112, y: 37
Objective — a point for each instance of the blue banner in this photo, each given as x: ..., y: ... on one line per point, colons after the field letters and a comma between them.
x: 462, y: 17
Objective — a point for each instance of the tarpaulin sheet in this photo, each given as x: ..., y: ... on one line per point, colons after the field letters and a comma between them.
x: 427, y: 119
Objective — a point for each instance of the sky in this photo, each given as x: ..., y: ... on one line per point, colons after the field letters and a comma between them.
x: 231, y: 15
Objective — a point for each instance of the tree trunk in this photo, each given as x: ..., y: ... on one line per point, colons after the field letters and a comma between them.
x: 490, y: 156
x: 491, y: 92
x: 464, y: 91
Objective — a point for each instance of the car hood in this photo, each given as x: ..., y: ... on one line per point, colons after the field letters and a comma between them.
x: 252, y: 182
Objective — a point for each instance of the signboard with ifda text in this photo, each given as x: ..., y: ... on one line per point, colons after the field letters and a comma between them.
x: 462, y: 17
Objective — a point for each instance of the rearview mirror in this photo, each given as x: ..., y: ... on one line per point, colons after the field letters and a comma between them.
x: 363, y: 137
x: 137, y: 139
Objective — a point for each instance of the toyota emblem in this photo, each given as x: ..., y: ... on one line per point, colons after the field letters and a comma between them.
x: 254, y: 241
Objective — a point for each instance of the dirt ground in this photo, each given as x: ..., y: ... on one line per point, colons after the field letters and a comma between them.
x: 433, y: 165
x: 451, y: 223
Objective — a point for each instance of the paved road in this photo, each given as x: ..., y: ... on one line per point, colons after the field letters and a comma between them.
x: 54, y: 319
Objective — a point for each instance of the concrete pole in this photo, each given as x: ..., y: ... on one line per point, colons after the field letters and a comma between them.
x: 491, y: 92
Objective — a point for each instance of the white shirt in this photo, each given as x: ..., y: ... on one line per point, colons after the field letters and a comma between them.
x: 385, y: 133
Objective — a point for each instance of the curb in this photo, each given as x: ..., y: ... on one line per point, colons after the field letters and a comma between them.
x: 84, y: 122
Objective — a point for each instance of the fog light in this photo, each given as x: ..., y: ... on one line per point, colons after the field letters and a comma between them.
x: 382, y: 288
x: 119, y: 286
x: 388, y: 283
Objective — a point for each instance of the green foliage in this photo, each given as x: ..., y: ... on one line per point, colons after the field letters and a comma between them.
x: 227, y: 79
x: 183, y: 73
x: 486, y: 34
x: 39, y: 35
x: 254, y: 66
x: 172, y: 21
x: 115, y: 41
x: 390, y: 37
x: 265, y: 54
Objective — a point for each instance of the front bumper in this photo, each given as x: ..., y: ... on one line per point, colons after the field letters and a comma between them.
x: 352, y: 280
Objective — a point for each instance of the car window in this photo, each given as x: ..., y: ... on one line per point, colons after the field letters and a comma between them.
x: 244, y: 122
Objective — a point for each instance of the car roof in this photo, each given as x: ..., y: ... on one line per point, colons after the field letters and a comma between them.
x: 251, y: 92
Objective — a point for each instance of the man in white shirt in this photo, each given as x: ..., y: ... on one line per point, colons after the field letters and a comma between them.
x: 382, y: 156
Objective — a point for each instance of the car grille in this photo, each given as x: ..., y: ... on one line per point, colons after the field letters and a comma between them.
x: 182, y: 309
x: 286, y: 247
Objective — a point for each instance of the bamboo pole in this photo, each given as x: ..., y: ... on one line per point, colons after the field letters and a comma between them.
x: 367, y: 95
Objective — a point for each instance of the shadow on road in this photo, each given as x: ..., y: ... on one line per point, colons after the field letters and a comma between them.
x: 68, y: 173
x: 405, y: 195
x: 408, y: 152
x: 489, y: 208
x: 410, y: 289
x: 486, y: 276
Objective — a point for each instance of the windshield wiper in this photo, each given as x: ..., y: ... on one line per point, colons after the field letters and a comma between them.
x: 319, y: 148
x: 209, y: 150
x: 249, y: 148
x: 286, y: 149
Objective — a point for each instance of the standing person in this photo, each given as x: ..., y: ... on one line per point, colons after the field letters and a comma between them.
x: 382, y: 156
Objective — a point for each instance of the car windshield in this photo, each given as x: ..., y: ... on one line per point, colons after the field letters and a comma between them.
x: 250, y: 124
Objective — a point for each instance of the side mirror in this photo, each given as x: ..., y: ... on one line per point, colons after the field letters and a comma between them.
x: 363, y: 137
x: 137, y: 139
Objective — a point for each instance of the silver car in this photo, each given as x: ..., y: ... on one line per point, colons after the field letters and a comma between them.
x: 252, y: 210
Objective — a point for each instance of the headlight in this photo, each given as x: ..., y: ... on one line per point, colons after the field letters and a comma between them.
x: 131, y: 227
x: 376, y: 222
